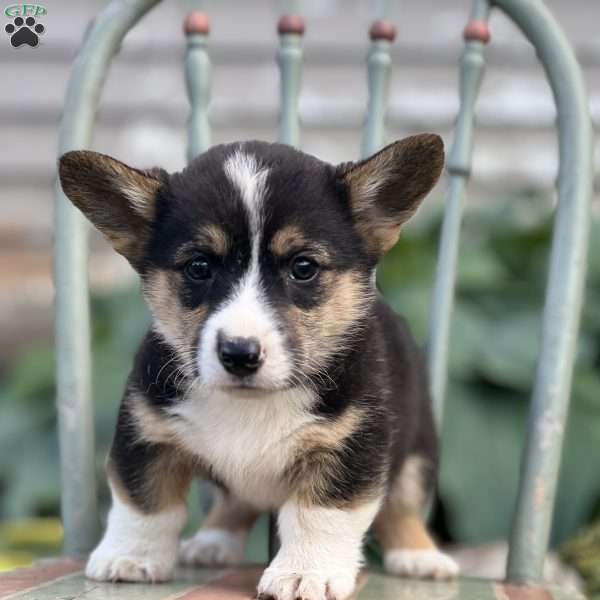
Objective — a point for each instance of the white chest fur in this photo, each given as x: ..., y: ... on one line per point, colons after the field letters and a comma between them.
x: 248, y: 440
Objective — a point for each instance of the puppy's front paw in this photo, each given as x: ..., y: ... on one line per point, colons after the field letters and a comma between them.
x: 105, y: 564
x: 212, y: 547
x: 286, y: 584
x: 421, y: 563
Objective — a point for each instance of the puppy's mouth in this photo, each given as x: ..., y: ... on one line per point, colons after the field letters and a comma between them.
x: 249, y: 387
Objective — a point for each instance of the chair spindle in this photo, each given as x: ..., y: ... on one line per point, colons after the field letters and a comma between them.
x: 289, y: 59
x: 379, y: 66
x: 198, y: 82
x: 73, y: 340
x: 472, y: 65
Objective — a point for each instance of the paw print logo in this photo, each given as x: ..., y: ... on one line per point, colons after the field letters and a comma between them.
x: 24, y: 31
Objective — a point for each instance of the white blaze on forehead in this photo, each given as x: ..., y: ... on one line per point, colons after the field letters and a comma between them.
x: 245, y: 173
x: 246, y: 313
x: 243, y: 170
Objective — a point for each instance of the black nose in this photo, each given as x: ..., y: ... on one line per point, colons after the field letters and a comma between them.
x: 240, y: 356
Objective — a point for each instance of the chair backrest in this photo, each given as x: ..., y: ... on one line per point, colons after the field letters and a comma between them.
x: 549, y: 405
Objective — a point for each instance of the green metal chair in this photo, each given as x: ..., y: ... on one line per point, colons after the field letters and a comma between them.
x: 549, y: 406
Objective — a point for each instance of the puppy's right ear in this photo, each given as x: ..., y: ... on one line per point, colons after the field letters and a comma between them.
x: 119, y: 200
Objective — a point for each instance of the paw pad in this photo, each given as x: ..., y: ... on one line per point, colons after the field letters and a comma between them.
x: 24, y: 31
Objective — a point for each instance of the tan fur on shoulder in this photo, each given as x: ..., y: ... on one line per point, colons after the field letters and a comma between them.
x: 163, y: 484
x: 318, y: 459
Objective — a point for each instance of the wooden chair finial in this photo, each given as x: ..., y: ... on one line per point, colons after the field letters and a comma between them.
x: 382, y: 30
x: 291, y: 24
x: 196, y: 22
x: 477, y: 31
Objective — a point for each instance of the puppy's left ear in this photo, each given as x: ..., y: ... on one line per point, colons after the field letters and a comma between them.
x: 386, y: 189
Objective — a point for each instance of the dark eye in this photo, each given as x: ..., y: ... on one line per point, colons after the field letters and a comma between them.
x: 198, y: 269
x: 303, y: 268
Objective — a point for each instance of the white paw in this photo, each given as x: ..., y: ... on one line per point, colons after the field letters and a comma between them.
x: 421, y: 563
x: 281, y: 584
x: 212, y: 547
x: 137, y: 546
x: 106, y: 565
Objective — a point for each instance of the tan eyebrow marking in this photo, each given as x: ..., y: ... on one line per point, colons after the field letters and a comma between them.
x: 211, y: 237
x: 290, y: 239
x: 287, y: 240
x: 215, y: 238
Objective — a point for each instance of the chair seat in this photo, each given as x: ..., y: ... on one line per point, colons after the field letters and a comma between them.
x: 63, y: 578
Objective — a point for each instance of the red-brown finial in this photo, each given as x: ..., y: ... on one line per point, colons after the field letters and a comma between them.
x: 291, y: 24
x: 477, y: 31
x: 382, y: 30
x: 196, y: 22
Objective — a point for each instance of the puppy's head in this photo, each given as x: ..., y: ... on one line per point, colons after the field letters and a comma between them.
x: 257, y: 260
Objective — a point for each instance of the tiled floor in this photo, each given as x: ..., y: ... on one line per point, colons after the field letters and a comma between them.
x: 64, y: 580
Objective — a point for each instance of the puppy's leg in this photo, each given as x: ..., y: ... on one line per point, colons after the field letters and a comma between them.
x: 321, y: 551
x: 149, y: 483
x: 222, y: 537
x: 408, y: 549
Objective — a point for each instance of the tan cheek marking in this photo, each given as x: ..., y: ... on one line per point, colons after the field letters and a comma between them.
x: 192, y: 320
x: 164, y: 305
x: 322, y: 330
x: 216, y: 238
x: 286, y: 239
x: 176, y: 324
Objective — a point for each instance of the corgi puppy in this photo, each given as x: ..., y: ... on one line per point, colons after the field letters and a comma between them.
x: 272, y: 367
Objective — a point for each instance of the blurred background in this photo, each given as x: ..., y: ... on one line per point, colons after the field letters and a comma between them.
x: 503, y: 257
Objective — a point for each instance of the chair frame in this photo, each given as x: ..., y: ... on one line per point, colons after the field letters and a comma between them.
x: 550, y: 401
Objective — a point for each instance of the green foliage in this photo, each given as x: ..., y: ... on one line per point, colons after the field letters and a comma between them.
x: 583, y: 553
x: 29, y: 470
x: 493, y: 351
x: 495, y: 338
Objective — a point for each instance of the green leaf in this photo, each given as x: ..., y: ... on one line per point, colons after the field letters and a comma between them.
x: 481, y: 445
